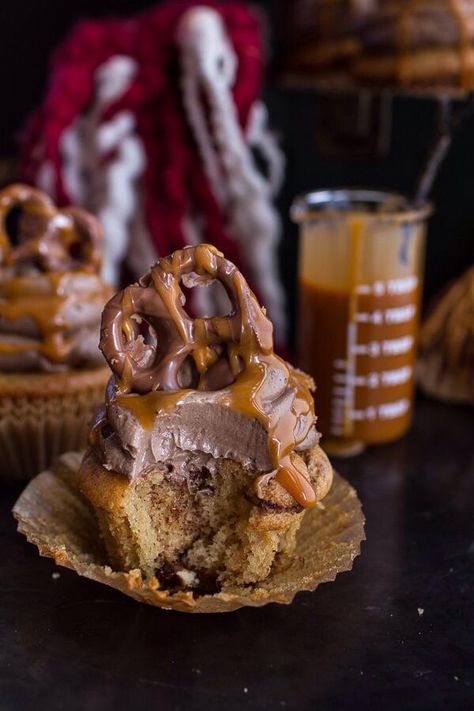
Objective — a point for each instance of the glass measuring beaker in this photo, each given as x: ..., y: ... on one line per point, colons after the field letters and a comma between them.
x: 360, y: 273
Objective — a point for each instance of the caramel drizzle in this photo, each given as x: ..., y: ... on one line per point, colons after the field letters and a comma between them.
x: 247, y: 337
x: 44, y: 299
x: 47, y: 239
x: 44, y: 268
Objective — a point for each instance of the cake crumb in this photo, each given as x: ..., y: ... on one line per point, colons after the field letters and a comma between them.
x: 188, y: 578
x: 420, y: 611
x: 55, y: 576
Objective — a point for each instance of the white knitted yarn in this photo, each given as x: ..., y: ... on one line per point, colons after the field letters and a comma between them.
x: 209, y: 66
x: 109, y: 188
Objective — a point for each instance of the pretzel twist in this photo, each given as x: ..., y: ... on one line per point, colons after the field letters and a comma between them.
x: 215, y: 348
x: 45, y: 237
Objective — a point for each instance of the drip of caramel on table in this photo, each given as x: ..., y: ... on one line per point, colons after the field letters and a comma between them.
x: 231, y: 354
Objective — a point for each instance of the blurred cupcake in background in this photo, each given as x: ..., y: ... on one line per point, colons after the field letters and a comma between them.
x: 325, y: 34
x: 418, y: 43
x: 446, y: 362
x: 51, y: 298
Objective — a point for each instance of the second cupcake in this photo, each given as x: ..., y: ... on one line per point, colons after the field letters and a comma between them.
x: 51, y: 298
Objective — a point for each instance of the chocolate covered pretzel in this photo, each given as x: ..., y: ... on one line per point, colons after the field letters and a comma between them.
x: 51, y: 294
x: 182, y: 355
x: 34, y: 233
x: 204, y: 353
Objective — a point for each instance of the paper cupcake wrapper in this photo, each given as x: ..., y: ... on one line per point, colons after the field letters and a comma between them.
x: 436, y: 381
x: 53, y: 516
x: 35, y: 430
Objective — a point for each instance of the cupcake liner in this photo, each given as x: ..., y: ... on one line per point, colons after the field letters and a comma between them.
x: 442, y: 384
x: 43, y: 417
x: 52, y: 514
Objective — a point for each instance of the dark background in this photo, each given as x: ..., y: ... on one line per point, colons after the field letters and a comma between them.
x: 315, y: 134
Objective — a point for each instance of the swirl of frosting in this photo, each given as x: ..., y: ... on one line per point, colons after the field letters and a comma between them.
x: 222, y: 364
x: 51, y: 295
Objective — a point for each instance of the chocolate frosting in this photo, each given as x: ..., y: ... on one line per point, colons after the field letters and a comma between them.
x: 51, y: 296
x: 192, y: 431
x: 192, y: 390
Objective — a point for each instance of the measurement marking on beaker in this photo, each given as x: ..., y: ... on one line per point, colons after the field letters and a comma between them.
x: 397, y: 376
x: 397, y: 346
x: 369, y: 413
x: 375, y: 317
x: 400, y: 314
x: 386, y: 411
x: 396, y: 315
x: 384, y: 378
x: 378, y: 288
x: 392, y: 410
x: 349, y: 374
x: 405, y: 285
x: 390, y: 347
x: 340, y: 364
x: 372, y: 349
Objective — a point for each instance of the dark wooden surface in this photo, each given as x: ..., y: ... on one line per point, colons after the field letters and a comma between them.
x: 396, y: 633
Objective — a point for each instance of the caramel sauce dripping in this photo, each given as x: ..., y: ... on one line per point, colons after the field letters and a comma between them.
x: 243, y: 397
x: 49, y: 263
x: 44, y: 299
x: 247, y: 337
x: 39, y: 299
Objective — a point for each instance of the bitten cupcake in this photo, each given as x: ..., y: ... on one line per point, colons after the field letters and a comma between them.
x: 51, y: 298
x: 205, y: 456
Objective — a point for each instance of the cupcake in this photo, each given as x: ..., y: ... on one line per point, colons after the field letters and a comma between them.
x: 326, y: 34
x: 418, y: 43
x: 205, y: 456
x: 51, y: 297
x: 446, y: 350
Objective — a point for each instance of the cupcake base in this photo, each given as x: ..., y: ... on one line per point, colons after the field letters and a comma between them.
x: 53, y: 515
x: 43, y: 415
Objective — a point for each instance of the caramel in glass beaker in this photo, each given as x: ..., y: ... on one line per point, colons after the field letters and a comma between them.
x: 360, y: 273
